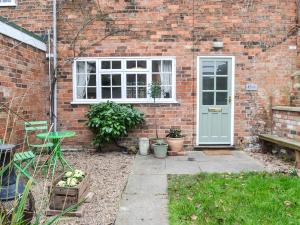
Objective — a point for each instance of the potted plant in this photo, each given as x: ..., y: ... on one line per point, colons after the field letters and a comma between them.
x: 160, y: 149
x: 175, y: 140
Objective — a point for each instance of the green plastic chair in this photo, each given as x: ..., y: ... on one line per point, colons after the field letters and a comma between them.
x: 35, y: 127
x: 22, y: 161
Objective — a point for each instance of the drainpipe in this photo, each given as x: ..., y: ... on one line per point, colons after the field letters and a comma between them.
x: 54, y: 100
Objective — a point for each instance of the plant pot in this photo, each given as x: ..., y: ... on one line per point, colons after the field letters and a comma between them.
x: 144, y: 146
x: 175, y: 144
x: 160, y: 150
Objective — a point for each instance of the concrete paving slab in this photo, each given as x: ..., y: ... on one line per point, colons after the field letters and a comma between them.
x: 232, y: 166
x: 150, y: 166
x: 181, y: 167
x: 143, y: 210
x: 147, y: 184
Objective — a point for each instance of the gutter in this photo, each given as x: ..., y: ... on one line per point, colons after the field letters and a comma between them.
x: 54, y: 80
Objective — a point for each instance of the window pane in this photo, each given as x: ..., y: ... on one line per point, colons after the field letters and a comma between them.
x: 142, y: 79
x: 105, y: 80
x: 81, y: 80
x: 167, y: 91
x: 131, y: 64
x: 116, y: 65
x: 131, y: 92
x: 105, y: 92
x: 221, y: 98
x: 116, y: 92
x: 208, y: 83
x: 221, y: 83
x: 156, y: 66
x: 105, y: 65
x: 116, y: 80
x: 167, y: 66
x: 222, y: 68
x: 91, y: 67
x: 131, y: 79
x: 166, y: 79
x: 142, y: 92
x: 156, y: 78
x: 91, y: 80
x: 91, y: 93
x: 142, y: 64
x: 208, y: 98
x: 208, y: 67
x: 81, y: 93
x: 80, y: 67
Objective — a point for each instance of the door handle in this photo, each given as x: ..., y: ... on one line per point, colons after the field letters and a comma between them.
x: 229, y: 99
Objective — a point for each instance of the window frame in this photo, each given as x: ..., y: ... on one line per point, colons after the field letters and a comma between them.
x: 12, y: 3
x: 123, y: 71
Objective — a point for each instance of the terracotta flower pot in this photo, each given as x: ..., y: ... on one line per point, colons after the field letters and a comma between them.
x: 175, y: 144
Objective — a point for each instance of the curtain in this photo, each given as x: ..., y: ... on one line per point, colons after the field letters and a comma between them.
x: 81, y: 81
x: 166, y: 78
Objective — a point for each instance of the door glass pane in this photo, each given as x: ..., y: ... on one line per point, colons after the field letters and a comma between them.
x: 131, y: 79
x: 141, y: 79
x: 142, y: 92
x: 81, y: 93
x: 222, y: 83
x: 142, y: 64
x: 208, y: 67
x: 105, y: 65
x: 222, y: 68
x: 156, y: 64
x: 131, y: 64
x: 81, y: 80
x: 208, y: 98
x: 91, y: 80
x: 131, y: 92
x: 116, y: 65
x: 116, y: 92
x: 105, y: 81
x: 221, y: 98
x: 105, y: 92
x: 91, y: 67
x: 208, y: 83
x: 80, y: 67
x: 91, y: 93
x: 116, y: 79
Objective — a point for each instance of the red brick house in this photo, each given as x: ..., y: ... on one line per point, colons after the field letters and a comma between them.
x: 222, y: 65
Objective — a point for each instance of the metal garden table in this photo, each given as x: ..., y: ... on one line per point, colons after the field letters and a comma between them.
x: 56, y: 155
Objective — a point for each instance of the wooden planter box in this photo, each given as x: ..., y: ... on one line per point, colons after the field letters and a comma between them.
x: 63, y: 197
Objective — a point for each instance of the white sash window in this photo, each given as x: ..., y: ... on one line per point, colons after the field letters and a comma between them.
x: 123, y: 79
x: 7, y: 2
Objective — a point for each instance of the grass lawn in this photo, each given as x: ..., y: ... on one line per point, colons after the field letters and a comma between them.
x: 245, y: 199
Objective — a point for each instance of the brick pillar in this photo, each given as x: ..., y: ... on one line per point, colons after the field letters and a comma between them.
x: 296, y: 76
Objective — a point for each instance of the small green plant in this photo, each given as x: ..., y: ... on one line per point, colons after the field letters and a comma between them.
x: 111, y: 121
x: 293, y: 172
x: 155, y: 92
x: 174, y: 133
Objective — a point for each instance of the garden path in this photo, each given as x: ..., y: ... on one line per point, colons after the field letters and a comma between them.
x: 145, y: 200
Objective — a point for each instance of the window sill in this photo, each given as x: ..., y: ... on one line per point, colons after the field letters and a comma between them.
x: 125, y: 102
x: 8, y: 4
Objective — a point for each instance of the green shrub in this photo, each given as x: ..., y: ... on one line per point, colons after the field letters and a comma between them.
x: 110, y: 121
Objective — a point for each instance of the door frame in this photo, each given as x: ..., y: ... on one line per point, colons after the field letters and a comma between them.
x: 232, y: 94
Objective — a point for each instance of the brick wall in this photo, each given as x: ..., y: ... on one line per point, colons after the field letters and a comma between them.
x: 256, y: 35
x: 286, y: 124
x: 23, y: 86
x: 33, y: 15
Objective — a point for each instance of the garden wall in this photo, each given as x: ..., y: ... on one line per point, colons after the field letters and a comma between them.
x: 256, y: 34
x: 23, y: 86
x: 286, y: 122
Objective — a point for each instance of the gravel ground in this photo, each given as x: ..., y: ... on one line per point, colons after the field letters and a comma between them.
x: 272, y: 162
x: 109, y: 173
